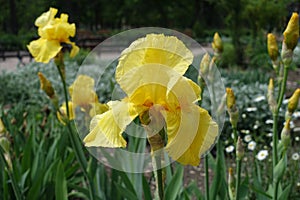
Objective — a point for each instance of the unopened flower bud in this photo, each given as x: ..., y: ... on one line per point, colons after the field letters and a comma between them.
x: 239, y: 149
x: 46, y: 85
x: 231, y: 107
x: 293, y: 101
x: 217, y: 43
x: 291, y: 33
x: 271, y: 99
x: 286, y: 134
x: 204, y: 65
x: 230, y: 98
x: 272, y: 47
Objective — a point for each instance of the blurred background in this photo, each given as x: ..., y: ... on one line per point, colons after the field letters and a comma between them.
x: 242, y: 24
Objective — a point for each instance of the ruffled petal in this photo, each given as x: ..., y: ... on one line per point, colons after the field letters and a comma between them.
x: 159, y: 85
x: 156, y: 49
x: 74, y: 50
x: 187, y: 141
x: 46, y: 17
x: 82, y: 91
x: 106, y: 129
x: 43, y: 50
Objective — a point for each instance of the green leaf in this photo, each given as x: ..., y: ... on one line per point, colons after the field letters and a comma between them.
x: 173, y: 188
x: 244, y: 188
x: 219, y: 180
x: 285, y: 194
x: 61, y: 191
x: 125, y: 193
x: 146, y: 189
x: 280, y: 168
x: 128, y: 184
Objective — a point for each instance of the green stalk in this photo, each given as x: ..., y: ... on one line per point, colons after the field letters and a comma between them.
x: 75, y: 142
x: 14, y: 183
x: 238, y: 178
x: 159, y: 177
x: 275, y: 140
x: 275, y: 129
x: 156, y: 144
x: 206, y: 178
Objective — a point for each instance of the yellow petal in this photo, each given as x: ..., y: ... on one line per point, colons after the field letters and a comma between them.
x: 106, y: 129
x: 62, y: 115
x: 155, y: 48
x: 155, y: 83
x: 43, y: 50
x: 74, y: 51
x: 191, y: 133
x: 82, y: 91
x: 46, y: 17
x: 97, y: 109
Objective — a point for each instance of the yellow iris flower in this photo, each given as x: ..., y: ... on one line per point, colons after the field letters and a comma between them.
x: 83, y: 95
x: 52, y: 31
x: 150, y: 72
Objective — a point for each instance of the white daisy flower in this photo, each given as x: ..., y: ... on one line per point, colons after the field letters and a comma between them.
x: 271, y: 144
x: 244, y: 115
x: 295, y: 156
x: 247, y: 138
x: 259, y: 98
x: 269, y: 121
x: 296, y: 114
x: 229, y: 149
x: 251, y: 145
x: 262, y: 154
x: 270, y: 134
x: 251, y: 109
x: 255, y: 126
x: 297, y: 138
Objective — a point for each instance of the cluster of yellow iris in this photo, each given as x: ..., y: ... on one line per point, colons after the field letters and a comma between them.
x: 150, y: 72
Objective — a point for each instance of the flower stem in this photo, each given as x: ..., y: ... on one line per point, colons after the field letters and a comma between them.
x: 206, y: 178
x: 76, y: 144
x: 238, y: 178
x: 157, y: 144
x: 275, y: 128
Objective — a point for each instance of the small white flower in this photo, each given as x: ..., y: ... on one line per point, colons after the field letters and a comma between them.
x: 270, y: 134
x: 285, y: 101
x: 296, y: 114
x: 269, y: 121
x: 262, y: 154
x: 255, y: 126
x: 271, y: 144
x: 295, y: 156
x: 297, y: 138
x: 244, y: 115
x: 251, y: 145
x: 259, y: 98
x: 229, y: 149
x: 247, y: 138
x: 245, y: 131
x: 251, y: 109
